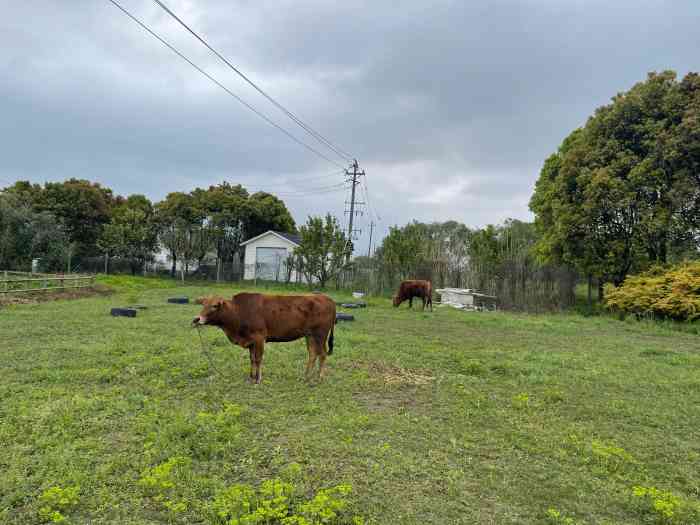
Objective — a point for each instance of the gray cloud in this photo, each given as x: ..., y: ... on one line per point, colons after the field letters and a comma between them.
x: 450, y: 106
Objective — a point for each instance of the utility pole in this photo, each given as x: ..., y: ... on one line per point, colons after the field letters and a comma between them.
x: 369, y: 246
x: 353, y: 179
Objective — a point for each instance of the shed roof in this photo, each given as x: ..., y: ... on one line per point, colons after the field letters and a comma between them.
x: 291, y: 237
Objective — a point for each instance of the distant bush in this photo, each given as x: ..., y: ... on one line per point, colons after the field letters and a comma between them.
x: 672, y: 293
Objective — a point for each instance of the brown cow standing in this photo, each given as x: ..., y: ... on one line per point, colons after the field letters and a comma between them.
x: 410, y: 289
x: 252, y: 319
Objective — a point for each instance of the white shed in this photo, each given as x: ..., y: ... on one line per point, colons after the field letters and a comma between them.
x: 265, y: 256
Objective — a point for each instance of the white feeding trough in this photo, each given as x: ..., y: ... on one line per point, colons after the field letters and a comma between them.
x: 467, y: 299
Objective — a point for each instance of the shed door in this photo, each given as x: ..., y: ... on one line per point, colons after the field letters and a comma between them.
x: 270, y: 263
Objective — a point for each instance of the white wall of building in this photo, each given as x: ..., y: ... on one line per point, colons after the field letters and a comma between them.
x: 267, y: 240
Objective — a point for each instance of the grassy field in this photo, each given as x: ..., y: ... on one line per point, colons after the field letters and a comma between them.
x: 449, y: 417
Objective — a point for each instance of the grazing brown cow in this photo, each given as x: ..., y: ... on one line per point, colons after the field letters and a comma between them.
x: 410, y: 289
x: 252, y: 319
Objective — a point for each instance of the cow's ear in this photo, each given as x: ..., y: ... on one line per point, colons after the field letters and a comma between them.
x: 217, y: 303
x: 200, y: 300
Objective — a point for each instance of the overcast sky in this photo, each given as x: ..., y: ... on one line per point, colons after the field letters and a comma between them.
x: 449, y: 106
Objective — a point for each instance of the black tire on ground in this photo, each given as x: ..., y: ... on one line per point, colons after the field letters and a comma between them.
x: 344, y: 317
x: 179, y: 300
x: 123, y: 312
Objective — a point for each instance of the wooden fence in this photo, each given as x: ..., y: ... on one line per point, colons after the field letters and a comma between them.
x: 22, y: 282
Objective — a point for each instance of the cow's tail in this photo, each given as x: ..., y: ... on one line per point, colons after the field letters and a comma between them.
x: 330, y: 339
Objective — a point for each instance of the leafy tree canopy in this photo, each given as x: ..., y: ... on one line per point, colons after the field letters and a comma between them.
x: 323, y: 248
x: 623, y: 192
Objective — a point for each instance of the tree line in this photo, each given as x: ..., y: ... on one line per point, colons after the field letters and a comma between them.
x: 65, y: 223
x: 70, y: 225
x: 497, y: 260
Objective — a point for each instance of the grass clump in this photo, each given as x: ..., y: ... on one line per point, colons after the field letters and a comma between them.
x: 56, y: 501
x: 555, y: 517
x: 664, y: 507
x: 279, y: 502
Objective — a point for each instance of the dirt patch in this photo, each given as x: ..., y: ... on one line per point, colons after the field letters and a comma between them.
x: 395, y: 375
x: 59, y: 295
x: 385, y: 402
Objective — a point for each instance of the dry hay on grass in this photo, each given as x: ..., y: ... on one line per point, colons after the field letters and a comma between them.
x: 59, y: 295
x: 395, y: 375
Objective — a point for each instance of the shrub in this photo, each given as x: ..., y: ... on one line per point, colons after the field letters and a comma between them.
x: 664, y: 293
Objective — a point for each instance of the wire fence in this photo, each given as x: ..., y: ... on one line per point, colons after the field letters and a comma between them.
x: 517, y: 284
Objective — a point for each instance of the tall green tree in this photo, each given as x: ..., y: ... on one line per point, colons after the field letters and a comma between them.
x: 82, y: 207
x: 227, y: 211
x: 175, y: 216
x: 623, y: 192
x: 267, y: 212
x: 404, y: 248
x: 132, y: 234
x: 323, y: 249
x: 26, y: 235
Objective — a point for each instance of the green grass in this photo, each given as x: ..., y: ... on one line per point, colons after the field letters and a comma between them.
x: 441, y: 418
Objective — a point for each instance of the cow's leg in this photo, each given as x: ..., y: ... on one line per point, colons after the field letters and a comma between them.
x: 312, y: 357
x: 423, y: 302
x: 259, y: 348
x: 252, y: 363
x: 410, y: 302
x: 321, y: 365
x: 321, y: 352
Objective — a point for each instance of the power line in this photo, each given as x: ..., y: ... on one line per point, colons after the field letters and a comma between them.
x: 310, y: 193
x: 315, y: 177
x: 369, y: 204
x: 291, y: 115
x: 227, y: 90
x: 304, y: 190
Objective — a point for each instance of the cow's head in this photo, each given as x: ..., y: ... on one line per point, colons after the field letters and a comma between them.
x: 212, y: 311
x: 396, y: 300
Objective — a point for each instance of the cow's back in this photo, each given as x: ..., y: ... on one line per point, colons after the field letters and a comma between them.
x: 415, y: 288
x: 285, y: 317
